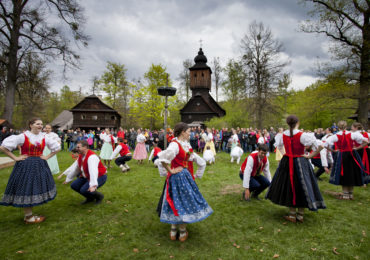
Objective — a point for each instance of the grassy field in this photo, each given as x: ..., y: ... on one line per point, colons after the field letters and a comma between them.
x: 126, y: 225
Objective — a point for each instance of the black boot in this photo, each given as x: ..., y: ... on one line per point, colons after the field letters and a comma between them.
x: 255, y: 195
x: 98, y: 196
x: 87, y: 200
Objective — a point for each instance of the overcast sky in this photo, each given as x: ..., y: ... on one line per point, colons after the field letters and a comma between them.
x: 138, y: 33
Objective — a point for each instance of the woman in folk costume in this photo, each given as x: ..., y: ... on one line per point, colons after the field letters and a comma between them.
x: 348, y: 170
x: 235, y: 139
x: 53, y: 161
x: 278, y: 154
x: 140, y: 152
x: 364, y: 152
x: 209, y: 141
x: 294, y: 184
x: 181, y: 202
x: 31, y: 182
x: 107, y: 148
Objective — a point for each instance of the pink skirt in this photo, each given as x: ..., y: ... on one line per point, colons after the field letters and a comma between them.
x: 140, y: 152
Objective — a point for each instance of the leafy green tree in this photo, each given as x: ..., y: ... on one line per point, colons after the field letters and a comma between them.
x: 114, y: 83
x: 233, y: 86
x: 147, y: 106
x: 347, y: 24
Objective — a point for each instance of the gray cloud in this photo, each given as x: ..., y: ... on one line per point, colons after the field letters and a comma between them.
x: 139, y: 33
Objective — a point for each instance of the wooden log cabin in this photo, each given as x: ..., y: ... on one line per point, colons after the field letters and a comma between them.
x: 92, y: 113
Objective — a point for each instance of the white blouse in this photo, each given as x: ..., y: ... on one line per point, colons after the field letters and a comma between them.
x: 170, y: 153
x: 355, y: 136
x: 54, y: 136
x: 92, y: 164
x: 13, y: 141
x: 210, y: 137
x: 140, y: 138
x: 107, y: 138
x: 307, y: 139
x: 235, y: 138
x: 249, y: 168
x: 261, y: 140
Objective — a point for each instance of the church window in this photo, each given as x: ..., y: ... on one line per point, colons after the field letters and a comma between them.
x: 95, y: 117
x: 113, y: 117
x: 198, y: 104
x: 202, y: 74
x: 83, y: 116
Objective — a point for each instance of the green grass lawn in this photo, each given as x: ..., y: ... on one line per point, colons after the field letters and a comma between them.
x: 126, y: 226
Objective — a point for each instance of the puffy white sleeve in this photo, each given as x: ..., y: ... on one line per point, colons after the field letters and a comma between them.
x: 11, y: 142
x: 169, y: 154
x: 309, y: 140
x: 72, y: 172
x: 266, y: 170
x: 247, y: 172
x: 358, y: 137
x: 93, y: 164
x: 151, y: 155
x: 52, y: 143
x: 323, y: 157
x: 55, y: 137
x: 331, y: 140
x: 201, y: 164
x: 279, y: 141
x: 116, y: 152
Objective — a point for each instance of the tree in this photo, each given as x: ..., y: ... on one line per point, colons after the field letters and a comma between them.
x: 32, y: 89
x: 30, y: 26
x: 347, y: 24
x: 217, y: 74
x: 114, y: 83
x: 263, y: 66
x: 185, y: 79
x: 147, y: 105
x: 234, y: 85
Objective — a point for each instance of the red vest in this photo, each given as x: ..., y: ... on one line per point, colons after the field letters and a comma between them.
x: 125, y: 150
x: 30, y: 149
x: 345, y: 142
x: 101, y: 169
x: 182, y: 159
x: 256, y: 166
x: 156, y: 151
x: 293, y: 144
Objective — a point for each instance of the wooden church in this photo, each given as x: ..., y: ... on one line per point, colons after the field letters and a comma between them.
x: 201, y: 106
x: 91, y: 113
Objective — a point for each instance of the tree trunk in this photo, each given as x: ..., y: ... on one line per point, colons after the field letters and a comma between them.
x: 11, y: 81
x: 363, y: 101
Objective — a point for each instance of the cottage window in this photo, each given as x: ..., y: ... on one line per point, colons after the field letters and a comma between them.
x: 94, y: 117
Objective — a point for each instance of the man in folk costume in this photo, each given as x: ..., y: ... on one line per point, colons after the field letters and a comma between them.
x: 90, y: 172
x: 250, y: 173
x: 124, y: 155
x: 348, y: 170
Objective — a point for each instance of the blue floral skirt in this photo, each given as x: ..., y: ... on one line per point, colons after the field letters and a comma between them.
x: 188, y: 201
x: 30, y: 184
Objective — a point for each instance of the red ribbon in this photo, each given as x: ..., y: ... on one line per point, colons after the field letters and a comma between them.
x: 290, y: 155
x: 365, y: 161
